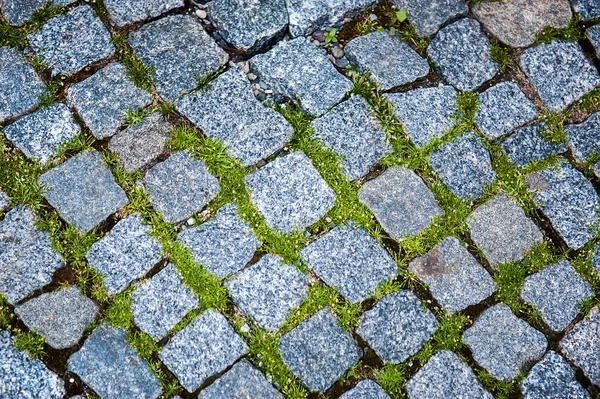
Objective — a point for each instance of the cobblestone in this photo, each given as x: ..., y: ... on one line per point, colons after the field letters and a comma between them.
x: 582, y: 347
x: 366, y: 389
x: 583, y: 139
x: 242, y: 379
x: 306, y: 16
x: 124, y: 12
x: 528, y: 145
x: 552, y: 377
x: 429, y: 15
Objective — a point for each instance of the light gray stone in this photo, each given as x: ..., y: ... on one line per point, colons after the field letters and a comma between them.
x: 124, y: 12
x: 306, y: 16
x: 581, y: 345
x: 429, y: 15
x: 528, y: 145
x: 366, y: 389
x: 584, y: 139
x: 552, y: 378
x: 588, y: 9
x: 16, y: 12
x: 593, y: 34
x: 4, y: 201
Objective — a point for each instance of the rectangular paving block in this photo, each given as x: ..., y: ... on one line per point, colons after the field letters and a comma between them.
x: 241, y: 379
x: 17, y: 12
x: 366, y: 389
x: 306, y: 16
x: 429, y: 15
x: 552, y: 377
x: 588, y: 9
x: 125, y: 12
x: 584, y: 139
x: 581, y: 345
x: 528, y: 145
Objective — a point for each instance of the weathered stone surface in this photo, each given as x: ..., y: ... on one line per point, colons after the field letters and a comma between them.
x: 180, y: 186
x: 552, y: 378
x: 228, y: 111
x: 203, y: 349
x: 389, y: 61
x: 60, y: 317
x: 70, y: 42
x: 560, y: 73
x: 306, y: 16
x: 454, y: 277
x: 582, y: 345
x: 102, y: 99
x: 366, y: 389
x: 107, y: 364
x: 593, y: 33
x: 41, y: 134
x: 290, y: 193
x: 161, y: 302
x: 426, y: 112
x: 301, y: 71
x: 502, y: 108
x: 26, y: 255
x: 124, y: 12
x: 24, y: 377
x: 517, y: 22
x: 224, y: 244
x: 461, y: 53
x: 588, y: 9
x: 318, y: 351
x: 502, y: 231
x: 502, y: 343
x: 350, y: 260
x: 464, y: 165
x: 528, y: 145
x: 16, y: 12
x: 584, y: 139
x: 397, y: 326
x: 596, y: 259
x: 445, y: 376
x: 4, y: 201
x: 180, y: 52
x: 429, y: 15
x: 125, y: 254
x: 351, y: 130
x: 568, y: 200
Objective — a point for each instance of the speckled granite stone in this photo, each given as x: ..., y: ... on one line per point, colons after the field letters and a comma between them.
x: 528, y: 145
x: 366, y: 389
x: 4, y: 201
x: 16, y: 12
x: 306, y: 16
x: 124, y: 12
x: 241, y: 381
x: 429, y: 15
x: 584, y: 139
x: 581, y: 345
x: 552, y: 378
x: 588, y: 9
x: 593, y: 34
x: 596, y: 259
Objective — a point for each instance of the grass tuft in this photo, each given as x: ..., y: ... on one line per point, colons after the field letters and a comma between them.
x: 572, y: 32
x: 501, y: 56
x: 31, y: 342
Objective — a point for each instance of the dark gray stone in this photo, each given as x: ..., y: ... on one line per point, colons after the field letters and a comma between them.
x: 502, y: 343
x: 60, y: 317
x: 26, y: 255
x: 107, y: 364
x: 318, y: 351
x: 460, y: 52
x: 429, y: 15
x: 593, y: 33
x: 582, y: 345
x: 180, y: 186
x: 366, y: 389
x: 72, y: 41
x: 16, y: 12
x: 102, y: 99
x: 588, y: 9
x: 560, y: 73
x: 203, y: 349
x: 125, y: 12
x: 584, y: 139
x: 397, y: 326
x: 351, y: 130
x: 307, y: 16
x: 552, y: 378
x: 4, y: 201
x: 179, y: 51
x: 528, y: 145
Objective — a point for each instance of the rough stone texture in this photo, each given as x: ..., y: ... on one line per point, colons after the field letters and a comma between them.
x: 454, y: 277
x: 584, y: 139
x: 203, y: 349
x: 593, y: 34
x: 16, y: 12
x: 464, y: 165
x: 502, y: 231
x: 390, y: 62
x: 528, y: 145
x: 224, y: 244
x: 582, y: 346
x: 60, y: 317
x: 180, y: 51
x: 306, y: 16
x: 429, y: 15
x: 180, y: 186
x: 400, y: 201
x: 229, y: 112
x: 161, y: 302
x: 70, y: 42
x: 445, y: 376
x: 26, y: 255
x: 568, y: 200
x: 318, y: 351
x: 241, y: 381
x: 502, y: 108
x: 366, y: 389
x: 125, y: 254
x: 350, y: 260
x: 20, y: 86
x: 4, y: 201
x: 596, y: 169
x: 588, y: 9
x: 290, y: 193
x: 124, y: 12
x: 351, y: 130
x: 40, y: 135
x: 397, y: 326
x: 556, y: 292
x: 268, y: 290
x: 560, y: 73
x: 24, y: 377
x: 517, y: 22
x: 83, y: 191
x: 107, y: 364
x: 461, y: 53
x: 425, y: 112
x: 552, y: 378
x: 102, y: 99
x: 502, y: 343
x: 596, y: 259
x: 301, y: 71
x: 140, y: 145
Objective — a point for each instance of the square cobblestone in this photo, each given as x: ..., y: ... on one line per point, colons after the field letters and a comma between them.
x: 366, y: 389
x: 593, y: 34
x: 429, y: 15
x: 581, y: 345
x: 588, y: 9
x: 528, y: 145
x: 584, y: 139
x: 17, y: 12
x: 306, y: 16
x: 552, y: 377
x: 125, y: 12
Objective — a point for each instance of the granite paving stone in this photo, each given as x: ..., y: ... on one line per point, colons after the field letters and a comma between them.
x: 429, y: 15
x: 4, y: 201
x: 17, y: 12
x: 318, y: 351
x: 584, y: 139
x: 581, y: 346
x: 588, y: 9
x: 596, y: 259
x: 552, y: 378
x: 306, y: 16
x: 397, y: 326
x: 502, y: 343
x: 593, y: 34
x: 528, y: 145
x: 60, y: 317
x: 454, y: 277
x: 125, y: 12
x: 203, y: 349
x: 351, y: 130
x: 560, y: 73
x: 366, y: 389
x: 596, y: 169
x: 26, y: 255
x: 461, y: 53
x: 125, y: 254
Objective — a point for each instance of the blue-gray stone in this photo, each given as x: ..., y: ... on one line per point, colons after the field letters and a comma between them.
x: 588, y: 9
x: 366, y: 389
x: 16, y: 12
x: 307, y: 16
x: 4, y: 201
x: 596, y: 259
x: 593, y: 33
x: 528, y: 145
x: 552, y: 378
x: 125, y: 12
x: 584, y: 139
x: 430, y: 15
x: 581, y: 345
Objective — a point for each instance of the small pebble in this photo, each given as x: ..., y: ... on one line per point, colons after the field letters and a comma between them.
x: 319, y: 36
x: 201, y: 14
x: 190, y: 221
x: 252, y: 76
x: 337, y: 52
x: 373, y: 17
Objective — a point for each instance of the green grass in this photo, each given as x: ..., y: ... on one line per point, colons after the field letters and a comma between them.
x: 204, y: 82
x: 11, y: 36
x: 501, y: 56
x: 572, y: 32
x: 392, y: 378
x: 31, y: 342
x: 138, y: 72
x: 447, y: 336
x: 500, y: 389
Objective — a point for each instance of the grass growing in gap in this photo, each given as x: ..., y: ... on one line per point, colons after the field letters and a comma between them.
x: 392, y: 378
x: 582, y: 263
x: 138, y: 72
x: 572, y: 32
x: 590, y: 102
x: 500, y: 389
x: 11, y: 36
x: 501, y: 56
x: 447, y: 336
x: 204, y: 82
x: 31, y: 342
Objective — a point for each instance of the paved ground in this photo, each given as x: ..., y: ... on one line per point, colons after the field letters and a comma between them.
x: 294, y: 198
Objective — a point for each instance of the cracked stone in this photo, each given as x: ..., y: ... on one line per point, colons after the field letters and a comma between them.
x: 125, y: 12
x: 366, y: 389
x: 552, y: 378
x: 588, y: 9
x: 528, y: 145
x: 584, y: 139
x: 16, y: 12
x: 307, y: 16
x: 428, y: 16
x: 582, y: 345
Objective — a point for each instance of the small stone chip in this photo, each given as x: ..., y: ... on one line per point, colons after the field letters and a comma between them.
x: 125, y: 12
x: 241, y: 381
x: 552, y: 378
x: 584, y: 139
x: 429, y: 15
x: 528, y: 145
x: 582, y: 345
x: 366, y: 389
x: 306, y: 16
